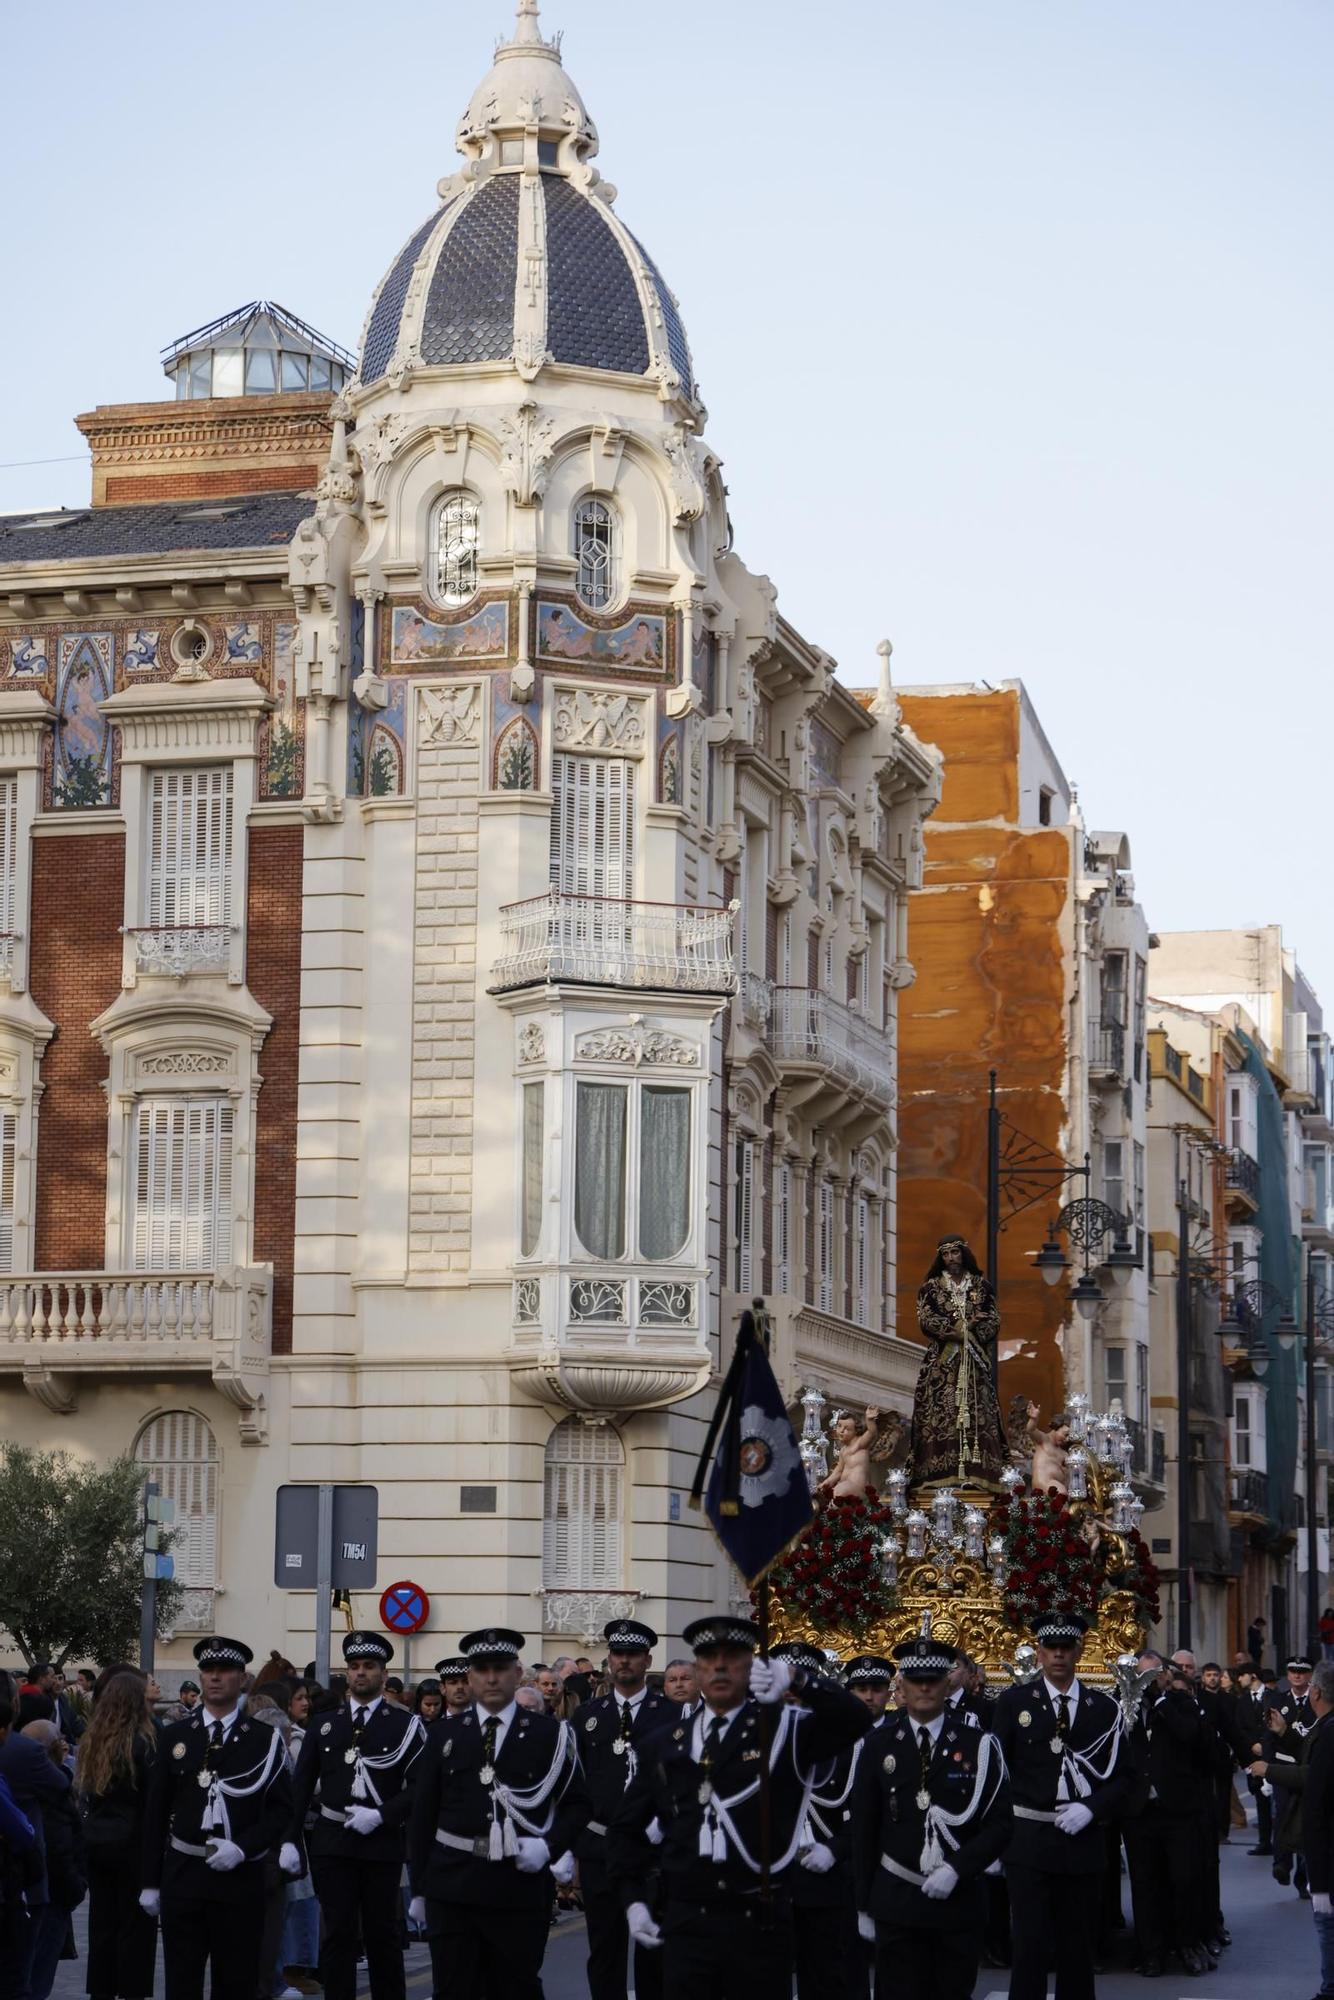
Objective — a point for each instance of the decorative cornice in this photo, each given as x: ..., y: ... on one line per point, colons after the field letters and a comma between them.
x: 220, y: 716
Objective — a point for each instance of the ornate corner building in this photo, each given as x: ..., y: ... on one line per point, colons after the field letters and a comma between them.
x: 452, y: 927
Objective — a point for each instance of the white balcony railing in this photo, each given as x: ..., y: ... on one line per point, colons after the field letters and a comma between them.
x: 755, y: 1002
x: 815, y: 1028
x: 58, y: 1325
x: 176, y: 950
x: 8, y: 940
x: 605, y: 941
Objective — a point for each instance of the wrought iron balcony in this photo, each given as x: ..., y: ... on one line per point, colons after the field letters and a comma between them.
x: 1107, y: 1049
x: 614, y: 1339
x: 8, y: 940
x: 812, y: 1030
x: 608, y: 941
x: 1242, y: 1173
x: 176, y: 950
x: 1250, y: 1492
x: 56, y: 1326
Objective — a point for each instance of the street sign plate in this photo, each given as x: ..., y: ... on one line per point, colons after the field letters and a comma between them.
x: 355, y: 1537
x: 404, y: 1608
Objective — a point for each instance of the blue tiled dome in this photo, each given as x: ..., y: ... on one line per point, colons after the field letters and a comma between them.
x: 607, y: 306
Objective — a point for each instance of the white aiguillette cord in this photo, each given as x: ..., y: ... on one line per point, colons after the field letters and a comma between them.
x: 215, y: 1816
x: 520, y: 1807
x: 363, y: 1786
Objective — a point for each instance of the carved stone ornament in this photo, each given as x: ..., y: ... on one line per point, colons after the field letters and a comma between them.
x: 186, y: 1062
x: 526, y: 460
x: 588, y: 721
x: 637, y: 1044
x: 532, y: 1044
x: 686, y: 478
x: 448, y: 715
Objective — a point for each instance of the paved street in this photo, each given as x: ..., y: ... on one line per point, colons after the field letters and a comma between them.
x: 1273, y: 1953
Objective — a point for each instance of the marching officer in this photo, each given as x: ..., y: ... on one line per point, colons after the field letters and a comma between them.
x: 1069, y: 1778
x: 1248, y: 1742
x: 499, y: 1799
x: 1282, y: 1744
x: 363, y: 1761
x: 609, y: 1732
x: 453, y: 1677
x: 826, y: 1947
x: 931, y: 1813
x: 870, y: 1678
x: 695, y: 1812
x: 219, y: 1799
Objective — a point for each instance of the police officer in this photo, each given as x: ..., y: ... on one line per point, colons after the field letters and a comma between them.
x: 453, y: 1677
x: 363, y: 1761
x: 219, y: 1798
x: 870, y: 1678
x: 698, y: 1789
x: 1283, y: 1746
x: 1170, y: 1752
x: 931, y: 1812
x: 1248, y: 1742
x: 1069, y: 1778
x: 609, y: 1731
x: 826, y: 1947
x: 499, y: 1799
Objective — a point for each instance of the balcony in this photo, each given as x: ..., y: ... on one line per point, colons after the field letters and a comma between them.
x: 8, y: 940
x: 1250, y: 1494
x: 175, y: 951
x: 607, y: 941
x: 613, y: 1340
x: 56, y: 1326
x: 832, y: 1046
x: 1107, y: 1050
x: 1242, y: 1175
x: 755, y: 1003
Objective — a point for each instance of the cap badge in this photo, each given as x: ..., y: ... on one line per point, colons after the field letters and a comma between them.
x: 890, y: 1765
x: 325, y: 1727
x: 178, y: 1750
x: 1025, y: 1717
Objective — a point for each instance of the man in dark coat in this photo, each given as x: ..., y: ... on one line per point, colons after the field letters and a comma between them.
x: 1170, y: 1751
x: 694, y: 1813
x: 1318, y: 1817
x: 609, y: 1732
x: 1070, y: 1778
x: 931, y: 1813
x: 219, y: 1803
x: 362, y: 1761
x: 499, y: 1798
x: 1288, y: 1720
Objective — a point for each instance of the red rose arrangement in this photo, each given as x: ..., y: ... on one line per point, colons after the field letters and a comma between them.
x: 1140, y: 1577
x: 833, y: 1575
x: 1048, y: 1564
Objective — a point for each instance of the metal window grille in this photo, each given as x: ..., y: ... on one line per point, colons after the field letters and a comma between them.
x: 581, y: 1508
x: 595, y: 552
x: 457, y: 532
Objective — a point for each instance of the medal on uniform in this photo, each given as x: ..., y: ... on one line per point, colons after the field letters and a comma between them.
x: 618, y: 1747
x: 1057, y: 1745
x: 487, y: 1775
x: 923, y: 1800
x: 705, y: 1792
x: 203, y: 1781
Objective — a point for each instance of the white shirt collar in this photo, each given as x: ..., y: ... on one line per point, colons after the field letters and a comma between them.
x: 1071, y: 1693
x: 704, y: 1717
x: 932, y: 1729
x: 631, y: 1700
x: 228, y: 1722
x: 370, y: 1704
x: 503, y: 1716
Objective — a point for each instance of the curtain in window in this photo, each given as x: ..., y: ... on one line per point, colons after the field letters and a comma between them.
x: 599, y: 1169
x: 664, y: 1172
x: 532, y: 1166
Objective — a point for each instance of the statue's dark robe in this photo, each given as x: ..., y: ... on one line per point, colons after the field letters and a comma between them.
x: 957, y: 1432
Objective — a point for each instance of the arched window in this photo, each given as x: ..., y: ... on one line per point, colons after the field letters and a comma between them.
x: 457, y: 526
x: 581, y: 1507
x: 595, y: 552
x: 180, y: 1452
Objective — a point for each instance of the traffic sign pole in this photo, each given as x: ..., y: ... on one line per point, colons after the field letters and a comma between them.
x: 148, y: 1595
x: 324, y: 1586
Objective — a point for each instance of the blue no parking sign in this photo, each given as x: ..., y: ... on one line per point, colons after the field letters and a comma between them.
x: 404, y: 1608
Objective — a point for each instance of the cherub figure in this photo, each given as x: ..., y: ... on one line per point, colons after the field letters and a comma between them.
x: 1051, y: 1456
x: 851, y: 1474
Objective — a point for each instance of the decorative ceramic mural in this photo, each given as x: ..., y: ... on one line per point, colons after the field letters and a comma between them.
x: 243, y: 640
x: 28, y: 658
x: 562, y: 635
x: 139, y: 652
x: 281, y: 774
x: 670, y: 787
x: 81, y: 774
x: 377, y: 745
x: 484, y: 636
x: 516, y: 757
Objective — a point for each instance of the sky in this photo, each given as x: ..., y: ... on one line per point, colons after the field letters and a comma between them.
x: 1014, y: 319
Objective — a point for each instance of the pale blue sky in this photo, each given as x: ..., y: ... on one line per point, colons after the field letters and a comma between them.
x: 1015, y: 319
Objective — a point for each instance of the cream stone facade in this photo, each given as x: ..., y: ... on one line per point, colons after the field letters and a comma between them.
x: 599, y: 917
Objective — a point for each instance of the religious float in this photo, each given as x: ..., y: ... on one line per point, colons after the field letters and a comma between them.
x: 956, y: 1521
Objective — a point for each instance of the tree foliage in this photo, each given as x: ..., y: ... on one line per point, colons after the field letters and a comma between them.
x: 71, y: 1573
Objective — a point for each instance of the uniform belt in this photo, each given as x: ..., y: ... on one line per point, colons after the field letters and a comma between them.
x: 897, y: 1868
x: 595, y: 1826
x: 202, y: 1853
x: 1032, y: 1812
x: 334, y: 1813
x: 480, y: 1849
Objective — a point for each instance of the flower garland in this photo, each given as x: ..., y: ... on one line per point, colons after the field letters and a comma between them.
x: 833, y: 1576
x: 1140, y: 1577
x: 1049, y: 1564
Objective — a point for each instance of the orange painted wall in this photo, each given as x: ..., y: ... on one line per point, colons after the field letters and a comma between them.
x: 991, y: 937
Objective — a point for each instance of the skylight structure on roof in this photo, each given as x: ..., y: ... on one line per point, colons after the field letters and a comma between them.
x: 258, y: 350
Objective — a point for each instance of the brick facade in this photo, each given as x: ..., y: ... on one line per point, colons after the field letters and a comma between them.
x: 74, y: 974
x: 273, y: 960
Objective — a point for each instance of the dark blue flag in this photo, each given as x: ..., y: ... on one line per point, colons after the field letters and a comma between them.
x: 757, y: 1499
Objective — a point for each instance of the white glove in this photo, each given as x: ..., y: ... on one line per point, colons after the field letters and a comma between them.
x: 994, y: 1869
x: 417, y: 1912
x: 562, y: 1871
x: 226, y: 1855
x: 941, y: 1882
x: 865, y: 1927
x: 150, y: 1901
x: 817, y: 1858
x: 653, y: 1833
x: 643, y: 1930
x: 1074, y: 1818
x: 770, y: 1680
x: 289, y: 1858
x: 1266, y: 1790
x: 363, y: 1819
x: 1320, y: 1903
x: 533, y: 1855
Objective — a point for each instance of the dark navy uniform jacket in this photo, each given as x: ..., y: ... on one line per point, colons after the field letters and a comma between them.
x: 254, y: 1791
x: 607, y: 1770
x: 1025, y: 1723
x: 888, y: 1821
x: 393, y: 1740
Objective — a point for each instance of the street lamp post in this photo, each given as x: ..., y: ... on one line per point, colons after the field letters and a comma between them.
x: 1319, y: 1317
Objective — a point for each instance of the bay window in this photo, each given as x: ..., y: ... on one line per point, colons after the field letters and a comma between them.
x: 645, y: 1214
x: 533, y: 1122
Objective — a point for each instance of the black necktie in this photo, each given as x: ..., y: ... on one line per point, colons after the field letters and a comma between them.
x: 924, y: 1746
x: 217, y: 1736
x: 358, y: 1720
x: 627, y: 1721
x: 490, y: 1730
x: 1063, y: 1723
x: 713, y: 1736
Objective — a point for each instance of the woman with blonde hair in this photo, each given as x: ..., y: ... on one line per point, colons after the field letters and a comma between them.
x: 116, y: 1753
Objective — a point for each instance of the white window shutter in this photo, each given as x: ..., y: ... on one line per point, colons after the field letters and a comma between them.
x: 8, y: 1143
x: 190, y: 847
x: 592, y: 826
x: 825, y: 1275
x: 9, y: 851
x: 180, y: 1452
x: 745, y: 1213
x: 783, y: 1227
x: 581, y: 1510
x: 182, y: 1184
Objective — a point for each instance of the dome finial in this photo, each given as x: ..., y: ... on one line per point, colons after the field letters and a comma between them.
x: 527, y: 33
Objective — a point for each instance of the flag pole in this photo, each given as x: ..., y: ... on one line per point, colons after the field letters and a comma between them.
x: 766, y: 1739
